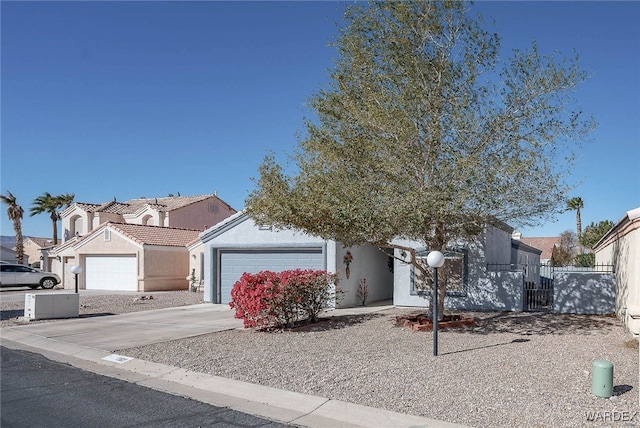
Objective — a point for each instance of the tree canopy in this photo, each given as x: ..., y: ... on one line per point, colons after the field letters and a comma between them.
x: 594, y: 232
x: 426, y: 132
x: 47, y: 203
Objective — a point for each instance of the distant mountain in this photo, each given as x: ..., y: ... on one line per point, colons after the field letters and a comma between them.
x: 8, y: 241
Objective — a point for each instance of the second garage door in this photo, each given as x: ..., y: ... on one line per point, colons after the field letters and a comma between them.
x: 233, y: 263
x: 111, y: 273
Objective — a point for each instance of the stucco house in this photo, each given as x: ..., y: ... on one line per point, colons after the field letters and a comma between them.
x: 7, y: 254
x: 547, y: 244
x: 36, y: 248
x: 187, y: 212
x: 491, y: 270
x: 488, y: 273
x: 620, y: 247
x: 129, y: 257
x: 238, y: 245
x: 146, y: 244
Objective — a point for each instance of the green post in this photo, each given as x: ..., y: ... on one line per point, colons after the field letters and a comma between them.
x: 602, y: 378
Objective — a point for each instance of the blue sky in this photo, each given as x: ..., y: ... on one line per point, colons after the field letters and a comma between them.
x: 132, y: 99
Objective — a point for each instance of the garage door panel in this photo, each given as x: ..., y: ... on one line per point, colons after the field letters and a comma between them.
x: 111, y: 273
x: 234, y: 263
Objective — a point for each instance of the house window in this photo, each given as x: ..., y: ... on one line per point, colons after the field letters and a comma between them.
x: 107, y: 234
x: 454, y: 273
x: 213, y: 207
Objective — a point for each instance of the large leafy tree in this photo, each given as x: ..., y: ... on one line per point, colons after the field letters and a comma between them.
x: 425, y: 132
x: 594, y: 232
x: 15, y: 213
x: 47, y: 203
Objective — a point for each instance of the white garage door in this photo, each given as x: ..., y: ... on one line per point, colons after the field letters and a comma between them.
x: 111, y: 273
x: 234, y: 263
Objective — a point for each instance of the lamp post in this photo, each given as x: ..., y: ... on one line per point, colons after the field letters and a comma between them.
x: 435, y: 259
x: 75, y: 269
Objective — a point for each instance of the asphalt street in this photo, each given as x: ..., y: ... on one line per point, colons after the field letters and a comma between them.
x: 37, y: 392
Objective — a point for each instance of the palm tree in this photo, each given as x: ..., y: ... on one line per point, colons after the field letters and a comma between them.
x: 15, y: 214
x: 66, y: 200
x: 576, y: 204
x: 47, y: 203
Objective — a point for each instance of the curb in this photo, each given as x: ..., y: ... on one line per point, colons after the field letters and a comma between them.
x: 275, y: 404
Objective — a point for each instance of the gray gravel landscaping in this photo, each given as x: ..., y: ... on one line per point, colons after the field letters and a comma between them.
x: 511, y: 370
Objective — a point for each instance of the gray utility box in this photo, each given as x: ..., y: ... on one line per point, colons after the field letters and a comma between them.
x: 51, y: 305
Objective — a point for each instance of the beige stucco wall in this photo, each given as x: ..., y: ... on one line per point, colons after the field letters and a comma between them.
x: 32, y: 251
x: 623, y: 252
x: 148, y: 216
x: 165, y: 268
x: 198, y: 215
x: 78, y: 220
x: 116, y: 245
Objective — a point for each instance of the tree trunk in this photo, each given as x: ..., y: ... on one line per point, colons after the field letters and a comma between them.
x: 54, y: 223
x: 579, y: 230
x: 439, y: 244
x: 17, y: 227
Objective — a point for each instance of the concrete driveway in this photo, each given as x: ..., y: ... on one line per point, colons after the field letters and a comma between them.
x: 138, y: 328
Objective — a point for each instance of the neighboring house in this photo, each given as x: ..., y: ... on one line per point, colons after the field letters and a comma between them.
x: 238, y: 245
x: 156, y: 242
x: 545, y: 244
x: 487, y: 273
x: 7, y: 254
x: 128, y: 257
x: 185, y: 212
x: 620, y: 247
x: 36, y: 249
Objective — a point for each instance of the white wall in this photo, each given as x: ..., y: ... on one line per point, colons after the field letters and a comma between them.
x: 368, y: 263
x: 623, y: 252
x: 241, y: 232
x: 485, y: 290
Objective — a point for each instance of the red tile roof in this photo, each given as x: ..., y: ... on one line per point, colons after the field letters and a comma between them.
x: 165, y: 204
x: 545, y: 244
x: 156, y: 235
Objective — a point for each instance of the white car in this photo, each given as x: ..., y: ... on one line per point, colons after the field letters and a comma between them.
x: 15, y: 275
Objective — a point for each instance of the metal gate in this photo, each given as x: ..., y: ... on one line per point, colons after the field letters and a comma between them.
x: 539, y: 297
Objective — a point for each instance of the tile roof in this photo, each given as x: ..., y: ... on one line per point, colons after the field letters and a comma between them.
x: 156, y: 235
x: 41, y: 242
x: 165, y: 204
x: 545, y: 244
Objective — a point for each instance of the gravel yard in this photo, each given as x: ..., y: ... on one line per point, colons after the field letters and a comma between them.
x: 511, y: 370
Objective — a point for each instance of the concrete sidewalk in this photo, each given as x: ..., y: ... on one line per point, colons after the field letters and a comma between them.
x: 86, y: 342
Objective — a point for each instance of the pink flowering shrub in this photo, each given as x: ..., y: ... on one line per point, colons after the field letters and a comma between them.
x: 269, y: 299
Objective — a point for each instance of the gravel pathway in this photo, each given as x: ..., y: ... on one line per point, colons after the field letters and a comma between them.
x: 512, y: 370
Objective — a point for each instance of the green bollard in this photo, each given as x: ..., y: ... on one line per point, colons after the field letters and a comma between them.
x: 602, y: 378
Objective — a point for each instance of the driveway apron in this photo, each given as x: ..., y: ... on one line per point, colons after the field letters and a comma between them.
x: 112, y: 332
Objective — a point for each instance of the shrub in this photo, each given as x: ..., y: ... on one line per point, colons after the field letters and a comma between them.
x: 269, y: 299
x: 251, y: 297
